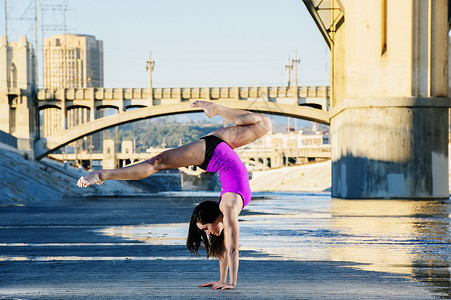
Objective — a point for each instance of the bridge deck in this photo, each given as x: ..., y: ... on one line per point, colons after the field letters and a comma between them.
x: 310, y: 103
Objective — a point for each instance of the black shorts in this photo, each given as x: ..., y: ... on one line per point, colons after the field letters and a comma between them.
x: 211, y: 142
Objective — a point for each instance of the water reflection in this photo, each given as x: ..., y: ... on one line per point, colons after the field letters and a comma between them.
x: 402, y: 237
x: 155, y: 234
x: 406, y: 238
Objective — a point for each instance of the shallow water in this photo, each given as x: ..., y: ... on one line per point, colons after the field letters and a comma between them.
x: 403, y: 237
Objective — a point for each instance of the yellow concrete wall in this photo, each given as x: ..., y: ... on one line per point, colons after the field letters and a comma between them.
x: 411, y: 65
x: 389, y: 126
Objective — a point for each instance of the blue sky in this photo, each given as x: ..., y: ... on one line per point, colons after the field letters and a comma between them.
x: 194, y: 43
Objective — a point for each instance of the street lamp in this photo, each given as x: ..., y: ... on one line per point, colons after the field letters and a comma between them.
x: 149, y: 67
x: 289, y: 67
x: 295, y: 62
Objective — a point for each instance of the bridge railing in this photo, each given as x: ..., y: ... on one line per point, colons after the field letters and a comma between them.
x: 310, y: 103
x: 124, y: 98
x: 99, y: 93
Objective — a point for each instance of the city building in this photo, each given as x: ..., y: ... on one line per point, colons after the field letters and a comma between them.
x: 73, y: 61
x: 17, y: 89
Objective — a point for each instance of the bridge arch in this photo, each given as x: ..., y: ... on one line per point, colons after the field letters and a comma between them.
x: 42, y: 105
x: 49, y: 144
x: 48, y: 106
x: 74, y: 106
x: 99, y: 107
x: 133, y: 106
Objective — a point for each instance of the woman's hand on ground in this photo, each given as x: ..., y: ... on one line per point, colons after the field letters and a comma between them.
x: 210, y: 283
x: 90, y: 179
x: 217, y: 285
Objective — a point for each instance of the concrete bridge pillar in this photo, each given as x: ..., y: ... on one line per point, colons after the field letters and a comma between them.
x: 109, y: 154
x: 63, y: 111
x: 92, y: 105
x: 277, y: 153
x: 389, y: 121
x: 17, y: 91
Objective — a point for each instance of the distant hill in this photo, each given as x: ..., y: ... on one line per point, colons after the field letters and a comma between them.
x: 150, y: 133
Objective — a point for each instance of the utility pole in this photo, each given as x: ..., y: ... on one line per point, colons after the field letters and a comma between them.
x: 295, y: 62
x: 289, y: 67
x: 6, y: 20
x: 149, y: 67
x: 36, y: 55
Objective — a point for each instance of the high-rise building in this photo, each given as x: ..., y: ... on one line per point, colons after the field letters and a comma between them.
x: 73, y: 61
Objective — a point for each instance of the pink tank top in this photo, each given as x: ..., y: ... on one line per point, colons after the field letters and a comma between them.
x: 232, y: 172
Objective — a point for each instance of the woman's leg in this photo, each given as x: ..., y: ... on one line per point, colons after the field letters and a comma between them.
x: 186, y: 155
x: 250, y: 126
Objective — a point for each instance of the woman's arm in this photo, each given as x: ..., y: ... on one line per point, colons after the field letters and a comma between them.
x: 231, y: 237
x: 230, y: 206
x: 223, y: 266
x: 223, y: 270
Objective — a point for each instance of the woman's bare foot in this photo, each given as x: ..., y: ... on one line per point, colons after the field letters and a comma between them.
x: 208, y: 107
x: 90, y: 179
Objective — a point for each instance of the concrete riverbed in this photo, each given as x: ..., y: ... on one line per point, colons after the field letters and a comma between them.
x: 293, y: 246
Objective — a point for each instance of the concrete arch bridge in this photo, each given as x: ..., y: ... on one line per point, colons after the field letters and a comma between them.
x: 309, y: 103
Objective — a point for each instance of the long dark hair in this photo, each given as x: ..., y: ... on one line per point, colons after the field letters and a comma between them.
x: 204, y: 213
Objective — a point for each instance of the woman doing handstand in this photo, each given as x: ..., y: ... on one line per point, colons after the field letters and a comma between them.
x: 213, y: 225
